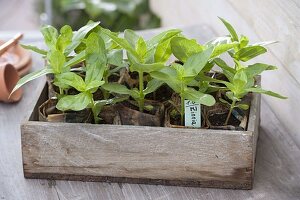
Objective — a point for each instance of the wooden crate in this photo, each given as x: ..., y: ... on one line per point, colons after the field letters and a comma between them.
x: 136, y: 154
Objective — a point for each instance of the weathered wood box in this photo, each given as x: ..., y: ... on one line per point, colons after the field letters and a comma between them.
x: 136, y: 154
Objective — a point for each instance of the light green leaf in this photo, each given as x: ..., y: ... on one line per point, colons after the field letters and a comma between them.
x: 152, y: 85
x: 141, y: 47
x: 65, y: 38
x: 240, y: 80
x: 163, y: 51
x: 122, y: 42
x: 79, y: 35
x: 147, y: 68
x: 74, y: 102
x: 258, y: 68
x: 154, y: 41
x: 249, y: 52
x: 183, y: 48
x: 115, y: 57
x: 199, y: 97
x: 221, y: 48
x: 116, y: 88
x: 267, y: 92
x: 242, y: 106
x: 57, y: 61
x: 227, y: 71
x: 196, y: 62
x: 243, y: 42
x: 169, y: 76
x: 94, y: 85
x: 131, y: 37
x: 230, y: 29
x: 35, y: 49
x: 179, y: 69
x: 75, y: 60
x: 222, y: 64
x: 209, y: 79
x: 71, y: 79
x: 96, y: 59
x: 31, y: 76
x: 50, y: 36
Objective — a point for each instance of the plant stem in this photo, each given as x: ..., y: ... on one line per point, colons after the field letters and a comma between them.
x: 104, y: 92
x: 182, y: 110
x: 95, y: 115
x: 61, y: 91
x: 230, y: 111
x: 182, y: 98
x: 141, y: 86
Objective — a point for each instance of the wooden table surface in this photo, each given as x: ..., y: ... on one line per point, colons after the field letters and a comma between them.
x: 277, y: 174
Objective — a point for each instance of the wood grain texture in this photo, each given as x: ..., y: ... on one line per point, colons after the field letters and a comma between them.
x: 277, y: 173
x: 205, y: 158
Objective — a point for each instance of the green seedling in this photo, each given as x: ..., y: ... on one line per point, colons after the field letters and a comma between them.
x: 60, y: 47
x: 144, y: 57
x: 178, y: 77
x: 241, y: 77
x: 243, y: 52
x: 96, y: 64
x: 240, y: 84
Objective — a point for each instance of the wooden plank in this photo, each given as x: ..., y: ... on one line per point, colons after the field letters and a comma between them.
x: 254, y: 121
x: 137, y: 154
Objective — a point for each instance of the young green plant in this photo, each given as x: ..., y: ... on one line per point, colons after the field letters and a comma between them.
x: 96, y: 64
x: 240, y: 83
x: 241, y: 78
x: 60, y: 47
x: 144, y: 57
x: 178, y: 77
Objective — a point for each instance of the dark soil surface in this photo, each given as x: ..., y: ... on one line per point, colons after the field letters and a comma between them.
x: 219, y: 120
x: 113, y: 78
x: 134, y: 107
x: 175, y: 120
x: 162, y: 94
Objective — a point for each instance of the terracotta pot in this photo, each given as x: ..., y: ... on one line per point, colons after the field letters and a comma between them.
x: 19, y: 57
x: 8, y: 79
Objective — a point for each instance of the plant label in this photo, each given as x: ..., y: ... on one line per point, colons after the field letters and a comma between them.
x: 192, y: 114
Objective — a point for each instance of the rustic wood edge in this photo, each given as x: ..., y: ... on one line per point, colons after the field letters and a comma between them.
x: 109, y: 179
x: 254, y: 124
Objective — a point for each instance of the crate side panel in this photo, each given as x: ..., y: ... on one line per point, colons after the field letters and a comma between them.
x: 140, y: 153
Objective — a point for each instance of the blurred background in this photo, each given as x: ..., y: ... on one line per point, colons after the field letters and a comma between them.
x: 261, y: 20
x: 114, y: 14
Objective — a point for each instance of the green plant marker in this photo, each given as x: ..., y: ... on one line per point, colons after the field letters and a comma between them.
x: 192, y: 116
